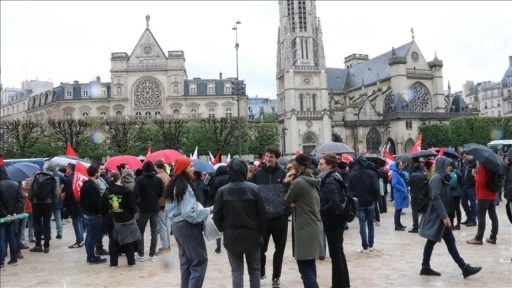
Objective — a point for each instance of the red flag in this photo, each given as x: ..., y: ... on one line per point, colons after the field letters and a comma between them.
x: 70, y: 151
x: 417, y: 145
x: 441, y: 152
x: 79, y: 178
x: 297, y: 153
x: 346, y: 158
x: 261, y: 162
x: 1, y: 160
x: 216, y: 160
x: 149, y: 151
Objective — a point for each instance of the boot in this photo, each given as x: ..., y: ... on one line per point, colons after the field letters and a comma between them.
x: 457, y: 227
x: 429, y: 272
x: 470, y: 270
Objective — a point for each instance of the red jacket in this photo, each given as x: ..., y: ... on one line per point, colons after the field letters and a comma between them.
x: 483, y: 175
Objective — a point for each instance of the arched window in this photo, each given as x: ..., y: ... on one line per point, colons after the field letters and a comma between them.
x: 301, y: 99
x: 103, y: 113
x: 408, y: 145
x: 314, y: 102
x: 211, y: 113
x: 138, y: 113
x: 69, y: 115
x: 228, y: 112
x: 85, y: 114
x: 176, y: 114
x: 373, y: 141
x: 419, y: 97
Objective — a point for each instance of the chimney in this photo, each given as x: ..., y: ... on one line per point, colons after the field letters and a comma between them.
x: 510, y: 60
x: 220, y: 74
x: 98, y: 79
x: 75, y: 82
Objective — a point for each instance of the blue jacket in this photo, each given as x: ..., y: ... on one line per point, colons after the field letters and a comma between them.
x: 187, y: 209
x: 400, y: 192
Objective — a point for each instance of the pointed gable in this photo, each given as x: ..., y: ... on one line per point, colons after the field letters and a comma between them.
x: 147, y: 49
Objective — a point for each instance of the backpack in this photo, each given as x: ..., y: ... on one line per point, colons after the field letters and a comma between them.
x: 495, y: 182
x: 43, y: 186
x: 453, y: 180
x: 349, y: 203
x: 423, y: 198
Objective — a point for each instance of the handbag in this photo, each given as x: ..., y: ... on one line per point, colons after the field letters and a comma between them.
x: 210, y: 231
x: 126, y: 232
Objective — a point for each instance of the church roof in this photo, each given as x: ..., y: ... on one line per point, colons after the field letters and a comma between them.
x: 367, y: 72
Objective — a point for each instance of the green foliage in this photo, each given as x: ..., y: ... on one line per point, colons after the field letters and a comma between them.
x: 125, y: 135
x: 170, y: 134
x: 435, y: 135
x: 20, y: 136
x: 262, y: 135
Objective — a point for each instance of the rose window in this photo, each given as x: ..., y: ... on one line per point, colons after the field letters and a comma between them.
x: 148, y: 94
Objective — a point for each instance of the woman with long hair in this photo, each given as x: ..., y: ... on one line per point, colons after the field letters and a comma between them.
x: 186, y: 215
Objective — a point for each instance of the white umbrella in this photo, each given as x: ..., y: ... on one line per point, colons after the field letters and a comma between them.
x: 63, y: 160
x: 333, y: 147
x: 218, y: 165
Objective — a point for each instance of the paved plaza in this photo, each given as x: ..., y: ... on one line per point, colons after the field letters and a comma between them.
x: 395, y: 263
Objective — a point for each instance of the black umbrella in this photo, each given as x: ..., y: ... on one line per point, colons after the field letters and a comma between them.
x: 332, y: 147
x: 403, y: 157
x: 283, y: 161
x: 508, y: 207
x: 423, y: 153
x: 21, y: 171
x: 486, y: 157
x: 379, y: 161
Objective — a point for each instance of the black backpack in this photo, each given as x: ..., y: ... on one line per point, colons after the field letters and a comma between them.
x: 496, y: 182
x: 349, y: 203
x: 43, y: 186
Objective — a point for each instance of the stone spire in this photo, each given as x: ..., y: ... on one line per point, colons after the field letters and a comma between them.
x: 147, y: 21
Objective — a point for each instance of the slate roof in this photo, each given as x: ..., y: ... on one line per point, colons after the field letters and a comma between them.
x: 369, y: 71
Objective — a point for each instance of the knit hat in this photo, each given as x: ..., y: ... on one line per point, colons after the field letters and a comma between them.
x: 303, y: 160
x: 181, y: 164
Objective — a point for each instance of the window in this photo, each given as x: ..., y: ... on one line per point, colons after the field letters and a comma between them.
x: 103, y: 92
x: 119, y: 113
x: 499, y: 103
x: 148, y: 115
x: 227, y: 89
x: 85, y: 114
x: 103, y: 113
x: 69, y: 93
x: 228, y: 113
x: 85, y: 93
x: 301, y: 102
x: 211, y: 113
x: 138, y: 114
x: 69, y: 115
x: 211, y: 89
x: 251, y: 117
x: 193, y: 89
x: 314, y: 102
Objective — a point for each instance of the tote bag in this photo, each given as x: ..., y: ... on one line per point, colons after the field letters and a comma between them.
x: 126, y: 232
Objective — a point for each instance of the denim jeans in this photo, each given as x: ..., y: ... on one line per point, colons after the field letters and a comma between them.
x: 483, y: 207
x: 78, y: 227
x: 93, y: 224
x: 57, y: 214
x: 365, y: 216
x: 7, y: 236
x: 468, y: 195
x: 153, y: 224
x: 449, y: 240
x: 236, y: 261
x: 42, y: 213
x: 307, y: 270
x: 164, y: 229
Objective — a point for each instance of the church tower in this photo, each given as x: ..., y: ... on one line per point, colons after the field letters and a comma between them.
x: 303, y: 100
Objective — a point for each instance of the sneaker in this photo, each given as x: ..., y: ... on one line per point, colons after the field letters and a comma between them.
x: 46, y: 249
x: 15, y: 263
x: 59, y: 236
x: 23, y: 246
x: 321, y: 258
x: 97, y: 261
x: 152, y: 257
x: 377, y: 223
x: 139, y: 258
x: 470, y: 270
x: 399, y: 229
x: 263, y: 277
x: 276, y: 282
x: 20, y: 256
x: 164, y: 249
x: 32, y: 241
x: 471, y: 224
x: 488, y: 240
x: 36, y: 249
x: 114, y: 267
x: 101, y: 252
x: 475, y: 242
x: 217, y: 250
x: 371, y: 249
x: 364, y: 251
x: 413, y: 231
x: 429, y: 272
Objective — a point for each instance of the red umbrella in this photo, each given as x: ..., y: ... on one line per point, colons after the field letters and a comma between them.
x: 169, y: 155
x: 132, y: 161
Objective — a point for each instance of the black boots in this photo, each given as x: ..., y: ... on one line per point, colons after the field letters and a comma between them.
x: 429, y: 272
x: 470, y: 270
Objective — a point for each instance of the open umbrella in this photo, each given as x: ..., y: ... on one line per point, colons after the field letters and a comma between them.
x: 132, y: 161
x: 403, y: 157
x: 21, y: 171
x: 423, y: 153
x: 203, y: 166
x: 333, y: 147
x: 218, y: 165
x: 508, y: 207
x: 379, y: 161
x: 63, y: 160
x: 486, y: 157
x: 448, y: 152
x: 283, y: 161
x: 169, y: 155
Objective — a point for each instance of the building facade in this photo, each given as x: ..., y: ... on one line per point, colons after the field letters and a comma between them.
x: 257, y: 107
x: 373, y: 104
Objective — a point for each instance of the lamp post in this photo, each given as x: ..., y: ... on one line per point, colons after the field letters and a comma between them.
x: 238, y: 90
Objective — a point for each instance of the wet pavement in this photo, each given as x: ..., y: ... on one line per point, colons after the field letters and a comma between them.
x: 396, y: 262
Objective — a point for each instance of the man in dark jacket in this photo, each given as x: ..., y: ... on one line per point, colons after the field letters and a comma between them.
x: 147, y: 190
x: 239, y: 212
x: 418, y: 181
x: 269, y: 179
x: 90, y: 201
x: 468, y: 190
x: 365, y: 186
x: 10, y: 202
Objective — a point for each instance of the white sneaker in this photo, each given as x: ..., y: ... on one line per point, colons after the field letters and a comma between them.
x: 364, y: 251
x: 139, y: 258
x: 152, y: 257
x: 371, y: 249
x: 377, y: 223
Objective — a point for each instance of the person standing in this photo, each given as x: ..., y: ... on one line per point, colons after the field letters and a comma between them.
x: 332, y: 193
x: 90, y: 201
x: 10, y: 202
x: 486, y: 202
x: 239, y: 213
x: 400, y: 192
x: 269, y: 180
x: 418, y: 181
x: 43, y: 204
x: 103, y: 186
x: 468, y: 190
x: 147, y: 190
x: 300, y: 190
x: 187, y: 215
x: 219, y: 179
x: 435, y: 223
x: 71, y: 204
x: 456, y: 193
x: 163, y: 224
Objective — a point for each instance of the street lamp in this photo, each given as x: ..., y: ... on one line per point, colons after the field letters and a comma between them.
x: 238, y: 90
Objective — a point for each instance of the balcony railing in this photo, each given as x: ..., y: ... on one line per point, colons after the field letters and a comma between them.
x: 419, y: 73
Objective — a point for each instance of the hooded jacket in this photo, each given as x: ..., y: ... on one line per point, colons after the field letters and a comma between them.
x: 239, y: 211
x: 364, y: 183
x: 128, y: 179
x: 400, y: 192
x: 148, y: 189
x: 417, y: 180
x: 10, y: 195
x: 269, y: 180
x: 331, y: 194
x: 50, y: 169
x: 118, y: 204
x: 431, y: 224
x: 483, y: 175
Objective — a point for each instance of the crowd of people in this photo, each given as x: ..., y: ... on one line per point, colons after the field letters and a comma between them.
x: 250, y: 205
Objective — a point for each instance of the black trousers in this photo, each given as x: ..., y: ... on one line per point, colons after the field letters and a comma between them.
x: 278, y: 229
x: 334, y: 228
x: 114, y: 249
x: 42, y: 213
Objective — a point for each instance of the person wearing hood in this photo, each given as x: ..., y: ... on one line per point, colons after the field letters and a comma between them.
x: 239, y: 213
x: 364, y: 183
x: 187, y: 215
x: 435, y: 224
x: 42, y: 210
x: 220, y: 179
x: 417, y: 181
x: 300, y: 190
x: 127, y: 176
x: 269, y: 179
x: 400, y: 192
x: 147, y: 190
x: 10, y: 202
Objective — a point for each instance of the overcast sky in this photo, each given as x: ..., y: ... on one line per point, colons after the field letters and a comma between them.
x: 63, y: 41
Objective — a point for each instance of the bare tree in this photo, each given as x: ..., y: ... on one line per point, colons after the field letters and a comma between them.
x: 68, y: 131
x: 21, y: 136
x: 173, y: 132
x: 124, y: 134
